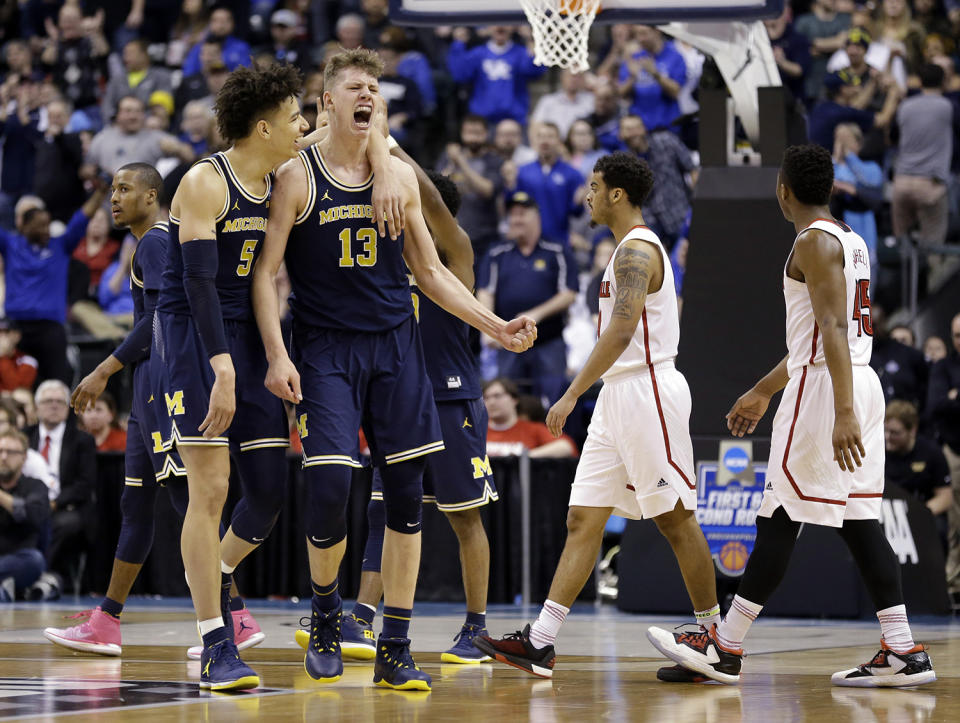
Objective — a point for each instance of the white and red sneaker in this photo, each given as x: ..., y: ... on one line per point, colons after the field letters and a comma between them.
x: 246, y: 633
x: 889, y: 669
x: 100, y: 634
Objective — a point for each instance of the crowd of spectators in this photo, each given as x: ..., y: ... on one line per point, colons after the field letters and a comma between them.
x: 88, y: 85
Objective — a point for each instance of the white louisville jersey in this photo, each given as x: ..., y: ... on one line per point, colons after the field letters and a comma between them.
x: 804, y: 341
x: 658, y: 333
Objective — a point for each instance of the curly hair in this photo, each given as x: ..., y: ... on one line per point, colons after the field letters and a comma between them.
x: 448, y: 191
x: 807, y: 170
x: 629, y: 172
x: 362, y: 58
x: 249, y: 94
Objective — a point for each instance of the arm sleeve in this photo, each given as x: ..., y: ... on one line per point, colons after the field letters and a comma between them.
x: 136, y: 345
x: 200, y: 283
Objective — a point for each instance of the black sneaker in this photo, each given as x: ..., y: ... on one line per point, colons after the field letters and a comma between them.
x: 679, y: 674
x: 700, y: 651
x: 889, y: 669
x: 517, y: 650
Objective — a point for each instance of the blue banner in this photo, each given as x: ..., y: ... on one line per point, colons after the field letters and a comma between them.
x: 728, y: 514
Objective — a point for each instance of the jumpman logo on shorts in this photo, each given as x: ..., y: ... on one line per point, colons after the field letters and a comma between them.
x: 466, y: 423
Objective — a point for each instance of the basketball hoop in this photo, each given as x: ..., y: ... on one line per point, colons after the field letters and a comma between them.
x: 561, y: 29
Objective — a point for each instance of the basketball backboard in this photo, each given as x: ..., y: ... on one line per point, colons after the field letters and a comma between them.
x: 508, y: 12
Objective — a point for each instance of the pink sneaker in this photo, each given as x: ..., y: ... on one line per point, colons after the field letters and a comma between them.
x: 245, y: 630
x: 99, y: 634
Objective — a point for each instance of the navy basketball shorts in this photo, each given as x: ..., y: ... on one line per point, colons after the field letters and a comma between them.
x: 183, y: 380
x: 460, y: 477
x: 149, y: 459
x: 376, y: 379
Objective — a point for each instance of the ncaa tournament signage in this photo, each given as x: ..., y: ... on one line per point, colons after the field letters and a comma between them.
x: 728, y: 497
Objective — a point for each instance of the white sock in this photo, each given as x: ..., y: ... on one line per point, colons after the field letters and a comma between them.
x: 708, y: 618
x: 371, y: 608
x: 227, y: 569
x: 734, y: 627
x: 545, y: 629
x: 896, y: 628
x: 208, y: 626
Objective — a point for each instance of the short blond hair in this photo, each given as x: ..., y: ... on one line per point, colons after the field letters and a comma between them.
x: 361, y: 58
x: 904, y: 412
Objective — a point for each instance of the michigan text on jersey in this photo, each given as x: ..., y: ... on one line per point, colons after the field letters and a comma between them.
x: 354, y: 210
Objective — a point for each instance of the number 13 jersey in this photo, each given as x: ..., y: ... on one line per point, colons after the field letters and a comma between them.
x: 804, y: 340
x: 342, y: 273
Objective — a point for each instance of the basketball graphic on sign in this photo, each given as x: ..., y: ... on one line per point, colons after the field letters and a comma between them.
x: 733, y: 558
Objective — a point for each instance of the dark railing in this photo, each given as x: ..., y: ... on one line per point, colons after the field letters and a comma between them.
x: 279, y: 566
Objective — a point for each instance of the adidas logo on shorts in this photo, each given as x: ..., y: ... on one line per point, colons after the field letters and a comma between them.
x: 662, y: 483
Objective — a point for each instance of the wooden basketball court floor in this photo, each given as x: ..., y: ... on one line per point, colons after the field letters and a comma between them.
x: 606, y: 671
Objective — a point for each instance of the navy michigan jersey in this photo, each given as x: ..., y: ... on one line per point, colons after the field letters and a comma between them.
x: 146, y: 267
x: 241, y: 227
x: 452, y: 368
x: 343, y: 275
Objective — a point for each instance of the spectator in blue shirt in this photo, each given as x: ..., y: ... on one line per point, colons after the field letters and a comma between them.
x: 498, y: 70
x: 857, y: 186
x: 235, y: 51
x: 555, y: 185
x: 652, y: 79
x: 36, y: 268
x: 537, y: 278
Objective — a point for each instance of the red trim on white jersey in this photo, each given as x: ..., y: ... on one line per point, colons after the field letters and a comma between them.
x: 656, y: 396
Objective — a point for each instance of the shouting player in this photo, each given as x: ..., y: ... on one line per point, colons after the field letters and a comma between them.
x: 825, y: 375
x: 638, y: 457
x: 458, y: 479
x: 359, y: 356
x: 208, y: 356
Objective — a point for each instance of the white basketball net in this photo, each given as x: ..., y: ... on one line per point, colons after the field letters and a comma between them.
x: 561, y: 29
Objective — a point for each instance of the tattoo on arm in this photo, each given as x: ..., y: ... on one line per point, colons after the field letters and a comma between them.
x: 632, y: 273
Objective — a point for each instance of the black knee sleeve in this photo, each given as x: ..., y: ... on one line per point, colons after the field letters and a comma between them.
x: 325, y: 514
x: 373, y: 550
x: 776, y: 536
x: 403, y: 495
x: 263, y: 479
x: 876, y: 560
x: 137, y: 527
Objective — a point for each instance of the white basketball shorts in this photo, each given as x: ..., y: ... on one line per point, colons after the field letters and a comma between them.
x: 802, y: 476
x: 638, y: 457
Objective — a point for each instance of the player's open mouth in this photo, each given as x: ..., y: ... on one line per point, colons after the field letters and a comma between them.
x: 362, y: 116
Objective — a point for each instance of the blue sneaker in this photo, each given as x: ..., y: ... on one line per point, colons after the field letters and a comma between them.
x: 464, y: 651
x: 395, y: 667
x: 222, y: 669
x: 357, y: 641
x: 323, y: 661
